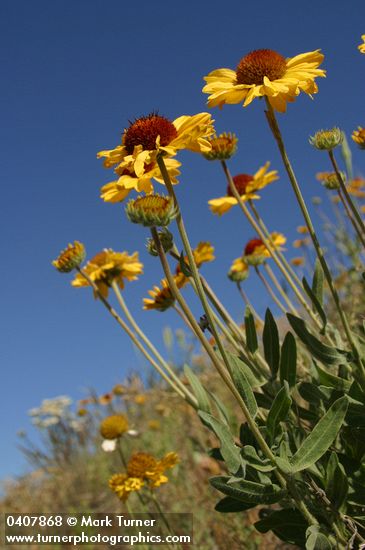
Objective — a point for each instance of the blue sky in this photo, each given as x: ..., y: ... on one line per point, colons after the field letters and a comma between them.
x: 74, y: 73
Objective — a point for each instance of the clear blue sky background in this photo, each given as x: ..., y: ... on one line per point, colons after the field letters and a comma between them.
x: 73, y: 73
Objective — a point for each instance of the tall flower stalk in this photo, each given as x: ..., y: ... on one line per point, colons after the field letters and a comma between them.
x: 274, y: 127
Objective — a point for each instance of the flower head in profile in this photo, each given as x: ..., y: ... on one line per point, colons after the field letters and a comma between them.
x: 256, y: 252
x: 358, y: 136
x: 151, y: 210
x: 224, y: 146
x: 330, y: 179
x: 70, y: 258
x: 162, y: 297
x: 247, y: 186
x: 134, y: 159
x: 265, y: 73
x: 109, y: 266
x: 114, y: 426
x: 327, y: 140
x: 239, y: 270
x: 361, y: 47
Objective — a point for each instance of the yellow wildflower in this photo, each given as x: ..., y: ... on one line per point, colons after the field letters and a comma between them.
x: 128, y: 180
x: 224, y: 146
x: 113, y: 426
x: 123, y: 485
x: 356, y: 187
x: 70, y: 258
x: 135, y: 158
x: 162, y: 298
x: 302, y: 229
x: 358, y: 137
x: 109, y: 266
x: 247, y: 186
x: 256, y: 252
x: 239, y: 270
x: 265, y: 73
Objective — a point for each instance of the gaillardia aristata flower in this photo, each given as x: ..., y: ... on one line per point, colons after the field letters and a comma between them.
x: 265, y: 73
x: 239, y: 270
x: 330, y: 180
x: 123, y: 485
x: 113, y: 426
x: 162, y: 298
x: 247, y: 186
x: 70, y: 258
x: 128, y: 180
x: 326, y: 140
x: 358, y: 136
x: 361, y: 47
x: 145, y: 138
x: 109, y: 266
x: 256, y: 252
x: 224, y: 146
x: 151, y: 210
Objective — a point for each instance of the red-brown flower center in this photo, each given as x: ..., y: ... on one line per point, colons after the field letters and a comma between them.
x: 145, y: 130
x: 252, y: 245
x: 254, y: 66
x: 241, y: 181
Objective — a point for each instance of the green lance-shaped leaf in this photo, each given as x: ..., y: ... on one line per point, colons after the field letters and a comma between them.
x: 242, y: 383
x: 337, y: 484
x: 321, y: 437
x: 316, y: 304
x: 236, y: 363
x: 248, y: 491
x: 228, y: 449
x: 347, y: 156
x: 322, y: 352
x: 330, y: 380
x: 198, y: 389
x: 317, y: 282
x: 250, y: 455
x: 288, y: 360
x: 230, y: 505
x: 287, y: 524
x: 251, y: 335
x: 317, y: 540
x: 221, y: 408
x: 279, y: 409
x: 271, y: 343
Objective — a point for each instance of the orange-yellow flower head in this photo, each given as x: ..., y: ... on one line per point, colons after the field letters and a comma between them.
x: 135, y: 159
x: 239, y: 270
x: 361, y: 47
x: 109, y: 266
x: 224, y: 147
x: 358, y: 136
x: 145, y: 131
x: 151, y: 210
x: 113, y: 426
x: 123, y: 485
x: 265, y: 73
x: 70, y: 258
x: 246, y: 186
x: 162, y: 298
x: 256, y: 252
